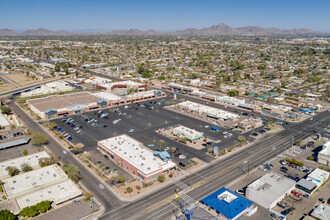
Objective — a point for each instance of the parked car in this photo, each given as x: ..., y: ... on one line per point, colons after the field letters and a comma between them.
x: 182, y: 157
x: 282, y: 204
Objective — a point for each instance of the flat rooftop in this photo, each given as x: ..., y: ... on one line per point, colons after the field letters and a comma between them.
x: 57, y: 193
x: 326, y: 149
x: 318, y: 176
x: 32, y: 160
x: 24, y: 183
x: 210, y: 111
x: 107, y: 96
x: 141, y: 94
x: 62, y: 101
x: 135, y: 153
x: 271, y: 186
x: 227, y: 203
x: 191, y: 133
x: 128, y: 83
x: 3, y: 121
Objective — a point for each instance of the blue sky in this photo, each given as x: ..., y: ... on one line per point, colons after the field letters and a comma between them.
x: 161, y: 15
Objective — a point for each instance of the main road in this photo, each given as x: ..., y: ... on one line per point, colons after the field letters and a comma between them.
x: 160, y: 205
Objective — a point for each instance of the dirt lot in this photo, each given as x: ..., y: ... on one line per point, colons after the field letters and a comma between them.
x: 19, y: 79
x: 6, y: 86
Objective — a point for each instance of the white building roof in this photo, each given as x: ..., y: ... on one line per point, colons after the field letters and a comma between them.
x: 213, y: 112
x: 318, y: 176
x: 32, y: 160
x: 3, y: 121
x: 57, y: 193
x: 271, y: 186
x: 106, y: 96
x: 141, y: 94
x: 326, y: 149
x: 48, y: 88
x: 24, y: 183
x: 128, y: 83
x: 136, y: 154
x: 188, y: 131
x: 322, y: 211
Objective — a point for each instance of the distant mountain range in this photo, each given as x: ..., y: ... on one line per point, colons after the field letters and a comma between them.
x: 220, y: 29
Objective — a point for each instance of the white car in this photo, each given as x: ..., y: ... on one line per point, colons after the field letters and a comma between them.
x: 206, y: 126
x: 151, y: 145
x: 182, y: 157
x: 167, y: 148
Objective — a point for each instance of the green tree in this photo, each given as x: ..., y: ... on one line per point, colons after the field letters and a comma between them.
x: 161, y: 178
x: 241, y: 138
x: 232, y: 93
x: 297, y: 142
x: 6, y: 215
x: 46, y: 161
x: 12, y: 171
x: 57, y: 67
x: 26, y: 167
x: 5, y: 110
x: 29, y: 211
x: 52, y: 125
x: 72, y: 172
x: 129, y: 190
x: 43, y: 206
x: 39, y: 139
x: 161, y: 142
x: 120, y: 179
x: 25, y: 152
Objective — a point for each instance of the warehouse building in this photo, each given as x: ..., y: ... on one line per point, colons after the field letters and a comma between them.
x: 269, y: 189
x: 324, y: 155
x: 47, y: 183
x: 135, y: 157
x: 188, y: 133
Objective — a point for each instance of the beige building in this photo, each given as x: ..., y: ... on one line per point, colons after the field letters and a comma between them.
x: 324, y: 155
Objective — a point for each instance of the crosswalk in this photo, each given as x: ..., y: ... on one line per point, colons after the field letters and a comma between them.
x: 188, y: 200
x: 181, y: 185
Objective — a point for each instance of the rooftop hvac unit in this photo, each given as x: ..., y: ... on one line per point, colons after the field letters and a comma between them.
x: 142, y: 164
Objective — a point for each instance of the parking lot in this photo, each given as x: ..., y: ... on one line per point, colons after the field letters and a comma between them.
x: 140, y: 121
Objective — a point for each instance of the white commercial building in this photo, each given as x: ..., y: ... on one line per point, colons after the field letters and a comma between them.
x: 208, y: 111
x: 230, y: 100
x: 322, y: 212
x: 49, y: 88
x: 324, y: 155
x: 4, y: 124
x: 135, y: 157
x: 47, y: 183
x: 188, y: 133
x: 32, y: 160
x: 318, y: 177
x: 269, y: 189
